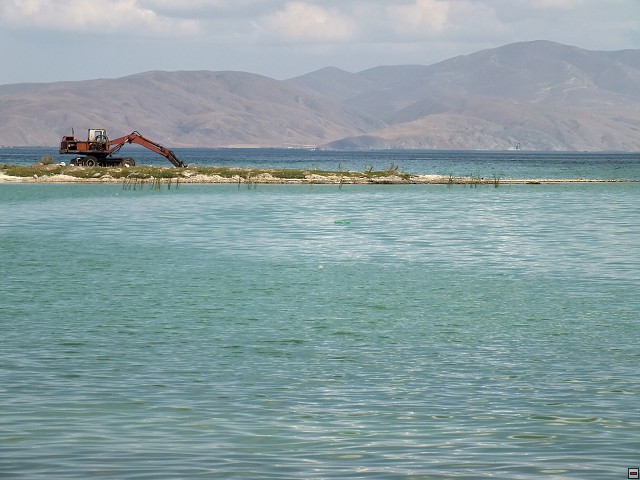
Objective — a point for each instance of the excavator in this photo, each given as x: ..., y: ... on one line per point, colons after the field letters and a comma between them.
x: 98, y: 150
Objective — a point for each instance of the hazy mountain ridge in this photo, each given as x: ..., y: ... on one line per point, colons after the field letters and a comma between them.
x: 178, y: 109
x: 538, y: 95
x: 534, y: 95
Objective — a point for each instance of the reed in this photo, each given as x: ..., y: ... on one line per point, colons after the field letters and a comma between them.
x: 496, y: 180
x: 251, y: 184
x: 134, y: 182
x: 475, y: 180
x: 131, y: 183
x: 450, y: 180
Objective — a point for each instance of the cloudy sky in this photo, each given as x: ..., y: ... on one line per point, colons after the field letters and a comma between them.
x: 51, y: 40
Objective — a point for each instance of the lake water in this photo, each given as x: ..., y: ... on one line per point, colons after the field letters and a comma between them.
x: 516, y: 164
x: 323, y: 332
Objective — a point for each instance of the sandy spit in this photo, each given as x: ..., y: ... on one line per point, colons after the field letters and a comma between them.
x: 267, y: 178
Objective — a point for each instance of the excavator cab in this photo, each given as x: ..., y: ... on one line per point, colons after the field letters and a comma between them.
x: 98, y: 135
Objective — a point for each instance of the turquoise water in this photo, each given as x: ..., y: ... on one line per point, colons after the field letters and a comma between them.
x: 488, y: 164
x: 222, y: 332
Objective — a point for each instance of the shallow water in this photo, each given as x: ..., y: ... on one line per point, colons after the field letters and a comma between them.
x: 223, y: 332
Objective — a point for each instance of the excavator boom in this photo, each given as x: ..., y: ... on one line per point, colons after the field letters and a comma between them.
x: 114, y: 145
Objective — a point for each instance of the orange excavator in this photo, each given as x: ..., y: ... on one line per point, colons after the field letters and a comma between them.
x: 98, y: 150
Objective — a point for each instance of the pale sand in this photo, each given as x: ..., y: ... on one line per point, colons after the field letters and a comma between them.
x: 267, y: 178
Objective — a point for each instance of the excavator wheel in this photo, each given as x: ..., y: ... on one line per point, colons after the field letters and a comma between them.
x: 90, y: 161
x: 128, y: 162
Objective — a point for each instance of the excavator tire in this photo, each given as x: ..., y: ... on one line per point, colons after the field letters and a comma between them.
x: 128, y: 162
x: 90, y: 161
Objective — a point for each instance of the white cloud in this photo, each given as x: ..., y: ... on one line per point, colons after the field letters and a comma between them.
x: 301, y: 21
x: 284, y: 38
x: 197, y: 4
x: 186, y: 4
x: 96, y: 16
x: 209, y: 8
x: 558, y: 4
x: 450, y: 21
x: 424, y: 16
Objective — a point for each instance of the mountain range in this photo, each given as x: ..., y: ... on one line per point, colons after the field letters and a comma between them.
x: 537, y: 95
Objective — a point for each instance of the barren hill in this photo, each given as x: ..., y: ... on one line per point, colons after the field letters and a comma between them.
x: 534, y: 95
x: 209, y: 109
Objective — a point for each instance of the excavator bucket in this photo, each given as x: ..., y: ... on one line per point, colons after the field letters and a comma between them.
x: 175, y: 160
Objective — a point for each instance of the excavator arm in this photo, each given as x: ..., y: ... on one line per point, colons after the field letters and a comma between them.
x: 114, y: 145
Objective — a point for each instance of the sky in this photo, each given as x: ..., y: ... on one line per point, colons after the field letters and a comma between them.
x: 60, y: 40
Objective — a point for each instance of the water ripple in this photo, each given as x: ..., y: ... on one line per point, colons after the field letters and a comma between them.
x: 488, y: 333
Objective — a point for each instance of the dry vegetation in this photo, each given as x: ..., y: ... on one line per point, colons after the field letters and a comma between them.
x: 56, y: 173
x: 46, y: 172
